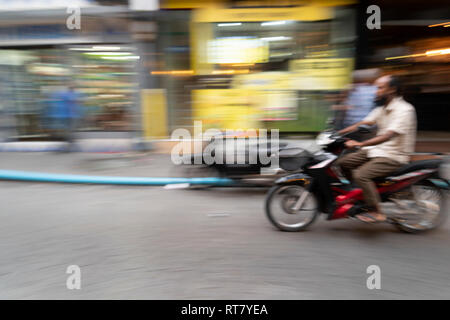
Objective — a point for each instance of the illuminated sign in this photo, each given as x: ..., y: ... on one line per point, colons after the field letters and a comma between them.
x: 321, y: 74
x: 237, y: 50
x: 306, y: 13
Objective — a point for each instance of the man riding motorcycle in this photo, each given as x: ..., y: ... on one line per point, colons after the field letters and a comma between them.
x: 385, y: 153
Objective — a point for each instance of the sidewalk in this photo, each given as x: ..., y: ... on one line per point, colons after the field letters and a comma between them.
x: 427, y: 141
x: 127, y: 159
x: 98, y: 164
x: 85, y: 145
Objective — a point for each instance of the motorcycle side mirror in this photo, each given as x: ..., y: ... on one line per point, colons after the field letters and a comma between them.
x: 331, y: 121
x: 364, y: 128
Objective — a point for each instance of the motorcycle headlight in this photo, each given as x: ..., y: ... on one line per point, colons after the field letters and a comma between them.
x: 324, y: 139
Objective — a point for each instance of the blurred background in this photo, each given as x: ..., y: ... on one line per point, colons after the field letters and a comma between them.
x: 144, y: 68
x: 126, y: 74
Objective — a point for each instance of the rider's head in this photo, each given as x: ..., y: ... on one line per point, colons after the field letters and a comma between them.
x: 388, y: 88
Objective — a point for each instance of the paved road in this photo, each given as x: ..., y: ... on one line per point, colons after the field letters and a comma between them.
x: 153, y: 243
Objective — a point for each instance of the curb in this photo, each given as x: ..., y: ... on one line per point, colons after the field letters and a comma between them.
x: 120, y: 145
x: 87, y: 145
x: 13, y: 175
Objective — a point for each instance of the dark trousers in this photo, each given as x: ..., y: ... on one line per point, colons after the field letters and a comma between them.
x: 361, y: 169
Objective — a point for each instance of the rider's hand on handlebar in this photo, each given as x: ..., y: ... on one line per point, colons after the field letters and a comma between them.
x: 353, y: 144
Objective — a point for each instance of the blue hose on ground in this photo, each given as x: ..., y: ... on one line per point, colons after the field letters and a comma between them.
x: 70, y: 178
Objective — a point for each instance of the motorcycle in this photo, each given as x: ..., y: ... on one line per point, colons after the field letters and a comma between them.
x: 413, y: 197
x: 244, y: 172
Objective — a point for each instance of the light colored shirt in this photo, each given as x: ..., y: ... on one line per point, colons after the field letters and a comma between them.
x: 398, y: 116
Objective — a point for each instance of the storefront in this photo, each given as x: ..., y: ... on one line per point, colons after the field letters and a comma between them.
x: 259, y: 67
x: 40, y: 58
x: 279, y: 65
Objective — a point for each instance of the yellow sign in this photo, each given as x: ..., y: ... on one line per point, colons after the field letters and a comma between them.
x: 321, y: 74
x: 276, y: 100
x: 306, y: 13
x: 191, y: 4
x: 251, y: 50
x: 274, y: 80
x: 154, y: 113
x: 226, y: 108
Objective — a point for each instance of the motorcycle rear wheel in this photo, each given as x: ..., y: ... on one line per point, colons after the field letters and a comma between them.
x: 435, y: 208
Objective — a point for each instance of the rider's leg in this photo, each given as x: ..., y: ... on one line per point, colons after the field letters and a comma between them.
x: 352, y: 161
x: 364, y: 175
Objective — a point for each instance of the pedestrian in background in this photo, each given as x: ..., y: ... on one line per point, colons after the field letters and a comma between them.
x: 66, y: 113
x: 339, y: 109
x: 361, y: 98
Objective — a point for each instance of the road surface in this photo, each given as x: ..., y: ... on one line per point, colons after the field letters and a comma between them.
x: 154, y: 243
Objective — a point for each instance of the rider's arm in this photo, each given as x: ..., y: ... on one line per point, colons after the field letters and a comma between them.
x: 369, y: 120
x: 379, y: 139
x: 355, y: 126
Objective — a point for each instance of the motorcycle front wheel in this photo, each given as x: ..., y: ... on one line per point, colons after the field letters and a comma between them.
x: 281, y: 207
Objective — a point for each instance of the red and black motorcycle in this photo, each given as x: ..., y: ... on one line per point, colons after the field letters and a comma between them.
x: 413, y: 197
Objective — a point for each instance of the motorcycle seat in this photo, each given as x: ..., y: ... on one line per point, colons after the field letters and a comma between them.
x: 417, y: 165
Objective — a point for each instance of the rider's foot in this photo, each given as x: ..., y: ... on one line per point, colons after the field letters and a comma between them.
x: 372, y: 217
